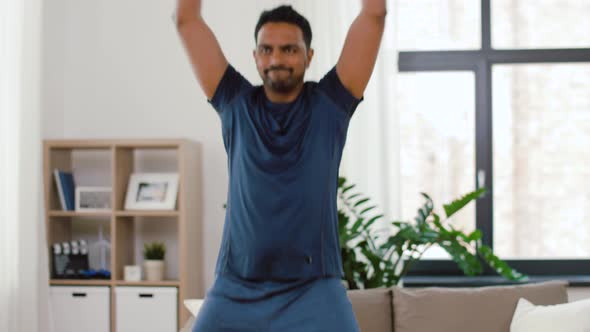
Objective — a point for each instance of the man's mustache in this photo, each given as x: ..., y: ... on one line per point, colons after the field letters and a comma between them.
x: 266, y: 71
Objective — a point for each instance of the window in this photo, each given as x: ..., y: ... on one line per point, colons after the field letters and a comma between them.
x: 530, y: 117
x: 438, y: 24
x: 541, y: 136
x: 437, y: 153
x: 540, y: 24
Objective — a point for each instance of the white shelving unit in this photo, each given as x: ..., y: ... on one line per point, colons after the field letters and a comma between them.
x: 110, y: 163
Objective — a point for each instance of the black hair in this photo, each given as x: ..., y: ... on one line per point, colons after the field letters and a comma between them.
x: 288, y: 15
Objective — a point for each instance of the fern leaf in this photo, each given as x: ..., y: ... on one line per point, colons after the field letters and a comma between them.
x: 348, y: 188
x: 361, y: 202
x: 458, y: 204
x: 368, y: 209
x: 424, y: 211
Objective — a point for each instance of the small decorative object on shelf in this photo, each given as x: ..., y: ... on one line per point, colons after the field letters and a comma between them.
x: 61, y: 261
x: 93, y: 199
x: 153, y: 263
x: 102, y: 247
x: 132, y: 273
x: 70, y: 260
x: 96, y: 274
x: 152, y: 191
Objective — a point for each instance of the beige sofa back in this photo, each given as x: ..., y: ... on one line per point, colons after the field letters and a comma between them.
x: 372, y: 308
x: 482, y: 309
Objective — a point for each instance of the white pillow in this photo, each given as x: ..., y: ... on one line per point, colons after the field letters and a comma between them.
x: 193, y: 305
x: 565, y: 317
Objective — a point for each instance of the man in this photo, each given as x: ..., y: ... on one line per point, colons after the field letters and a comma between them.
x: 279, y: 264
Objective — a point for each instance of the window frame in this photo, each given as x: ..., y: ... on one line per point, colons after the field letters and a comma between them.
x: 480, y: 62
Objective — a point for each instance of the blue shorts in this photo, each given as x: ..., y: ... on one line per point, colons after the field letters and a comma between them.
x: 312, y: 305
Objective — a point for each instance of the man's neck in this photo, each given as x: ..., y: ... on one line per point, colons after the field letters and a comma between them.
x: 277, y: 97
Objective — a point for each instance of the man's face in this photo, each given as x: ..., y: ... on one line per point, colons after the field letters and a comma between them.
x: 281, y: 56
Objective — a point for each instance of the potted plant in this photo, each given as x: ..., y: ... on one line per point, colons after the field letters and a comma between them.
x: 375, y: 258
x: 153, y: 263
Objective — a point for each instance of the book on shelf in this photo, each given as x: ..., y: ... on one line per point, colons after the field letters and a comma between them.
x: 65, y: 189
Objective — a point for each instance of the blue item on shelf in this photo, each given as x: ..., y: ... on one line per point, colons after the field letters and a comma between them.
x: 66, y: 189
x: 95, y: 274
x: 104, y: 273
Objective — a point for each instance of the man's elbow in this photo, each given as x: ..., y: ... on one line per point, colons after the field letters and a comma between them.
x: 380, y: 13
x: 375, y: 8
x: 180, y: 19
x: 377, y: 14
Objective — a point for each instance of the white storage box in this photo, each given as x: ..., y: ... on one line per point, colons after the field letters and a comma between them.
x: 146, y: 309
x: 80, y: 308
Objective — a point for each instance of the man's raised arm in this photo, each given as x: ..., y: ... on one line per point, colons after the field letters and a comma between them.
x: 207, y: 59
x: 361, y: 46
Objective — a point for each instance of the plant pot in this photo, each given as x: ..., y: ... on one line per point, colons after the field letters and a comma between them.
x: 154, y: 269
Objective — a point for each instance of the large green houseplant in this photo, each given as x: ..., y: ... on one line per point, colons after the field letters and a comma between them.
x: 375, y: 258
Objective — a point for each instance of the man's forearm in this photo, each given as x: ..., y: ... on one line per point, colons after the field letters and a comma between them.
x: 187, y: 10
x: 375, y: 7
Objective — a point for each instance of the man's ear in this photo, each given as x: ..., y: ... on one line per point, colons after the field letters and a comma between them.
x: 310, y: 53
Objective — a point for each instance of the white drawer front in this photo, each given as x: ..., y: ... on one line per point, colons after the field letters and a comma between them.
x: 146, y: 309
x: 80, y: 308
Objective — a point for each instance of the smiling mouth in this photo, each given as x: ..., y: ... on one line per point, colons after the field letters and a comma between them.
x: 278, y: 69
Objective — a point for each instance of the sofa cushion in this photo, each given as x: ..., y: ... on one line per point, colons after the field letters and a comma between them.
x: 482, y: 309
x: 372, y: 309
x: 565, y: 317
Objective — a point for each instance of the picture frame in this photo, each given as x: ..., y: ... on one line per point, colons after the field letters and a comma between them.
x: 152, y: 191
x: 92, y: 199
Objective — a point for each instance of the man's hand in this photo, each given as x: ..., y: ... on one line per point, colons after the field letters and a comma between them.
x: 357, y: 60
x: 207, y: 59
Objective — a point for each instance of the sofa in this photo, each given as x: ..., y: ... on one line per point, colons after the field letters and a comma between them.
x: 481, y: 309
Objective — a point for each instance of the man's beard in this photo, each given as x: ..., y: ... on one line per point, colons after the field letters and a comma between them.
x: 282, y: 85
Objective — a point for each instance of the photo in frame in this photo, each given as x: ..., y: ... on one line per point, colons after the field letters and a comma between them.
x: 90, y: 199
x: 152, y: 191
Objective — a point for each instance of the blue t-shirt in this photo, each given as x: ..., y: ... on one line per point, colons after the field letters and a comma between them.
x: 281, y: 219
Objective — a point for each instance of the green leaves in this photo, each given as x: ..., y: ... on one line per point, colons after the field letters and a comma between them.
x: 500, y: 266
x: 474, y: 236
x: 458, y: 204
x: 154, y: 250
x: 424, y: 211
x: 460, y: 255
x: 369, y: 264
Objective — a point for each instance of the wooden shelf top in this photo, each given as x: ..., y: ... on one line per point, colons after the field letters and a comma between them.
x: 118, y: 213
x: 81, y: 282
x: 115, y: 143
x: 103, y: 282
x: 60, y: 213
x: 146, y: 213
x: 147, y: 283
